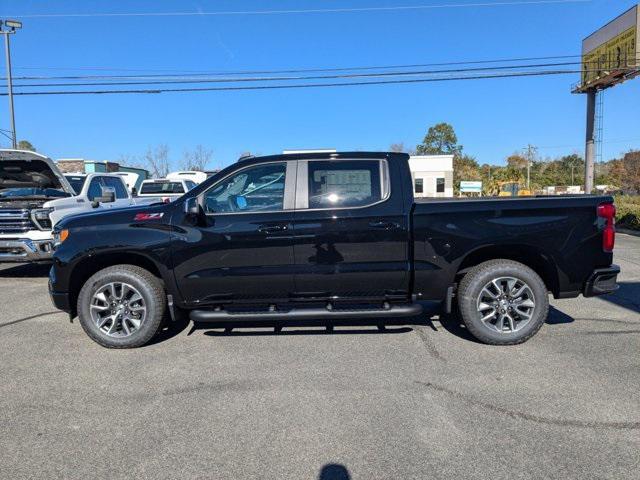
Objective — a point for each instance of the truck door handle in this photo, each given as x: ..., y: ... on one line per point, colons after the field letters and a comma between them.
x: 272, y: 228
x: 382, y: 225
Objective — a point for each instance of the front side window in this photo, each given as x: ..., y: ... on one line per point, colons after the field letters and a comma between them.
x: 339, y: 184
x: 254, y: 189
x: 117, y: 185
x: 439, y: 185
x: 190, y: 185
x: 95, y: 189
x: 419, y: 185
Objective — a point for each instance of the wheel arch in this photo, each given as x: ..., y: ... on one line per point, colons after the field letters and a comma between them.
x: 528, y: 255
x: 92, y: 264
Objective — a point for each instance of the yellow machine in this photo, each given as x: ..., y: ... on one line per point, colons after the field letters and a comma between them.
x: 513, y: 189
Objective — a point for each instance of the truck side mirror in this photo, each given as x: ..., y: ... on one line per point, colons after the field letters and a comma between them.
x: 134, y: 191
x: 108, y: 196
x: 193, y: 211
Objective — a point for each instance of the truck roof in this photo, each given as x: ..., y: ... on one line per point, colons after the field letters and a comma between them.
x: 323, y: 155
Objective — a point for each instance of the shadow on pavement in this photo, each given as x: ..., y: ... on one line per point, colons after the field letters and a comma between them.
x: 558, y: 317
x: 334, y: 471
x: 170, y: 330
x: 627, y: 296
x: 29, y: 270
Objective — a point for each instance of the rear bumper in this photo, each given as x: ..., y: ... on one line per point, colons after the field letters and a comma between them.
x: 25, y: 250
x: 602, y: 281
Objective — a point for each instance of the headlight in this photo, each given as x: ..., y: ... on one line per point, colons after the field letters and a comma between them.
x: 59, y: 237
x: 41, y: 218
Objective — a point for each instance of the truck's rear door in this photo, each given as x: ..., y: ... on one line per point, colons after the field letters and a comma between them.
x: 351, y: 237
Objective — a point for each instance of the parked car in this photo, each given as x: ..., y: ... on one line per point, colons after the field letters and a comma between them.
x: 325, y: 237
x: 164, y: 189
x: 195, y: 176
x: 35, y: 195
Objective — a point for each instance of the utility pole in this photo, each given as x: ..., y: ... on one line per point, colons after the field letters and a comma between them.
x: 590, y: 149
x: 12, y: 25
x: 530, y: 155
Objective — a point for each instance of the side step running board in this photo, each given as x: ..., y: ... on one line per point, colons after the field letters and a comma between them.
x: 407, y: 310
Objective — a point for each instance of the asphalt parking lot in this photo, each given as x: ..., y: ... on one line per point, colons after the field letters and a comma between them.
x: 418, y: 401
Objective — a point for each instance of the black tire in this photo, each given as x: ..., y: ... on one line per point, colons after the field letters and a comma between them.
x: 470, y: 289
x: 150, y: 288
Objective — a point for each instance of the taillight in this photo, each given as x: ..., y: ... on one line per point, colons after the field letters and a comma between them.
x: 608, y: 212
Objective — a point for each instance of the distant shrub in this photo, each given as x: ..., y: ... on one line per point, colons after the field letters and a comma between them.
x: 628, y: 211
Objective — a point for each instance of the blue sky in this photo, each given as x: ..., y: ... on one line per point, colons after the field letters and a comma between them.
x: 493, y: 118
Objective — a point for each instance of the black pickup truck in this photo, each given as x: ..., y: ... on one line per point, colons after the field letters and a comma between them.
x: 325, y: 237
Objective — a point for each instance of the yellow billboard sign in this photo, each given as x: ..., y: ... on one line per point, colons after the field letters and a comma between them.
x: 611, y: 54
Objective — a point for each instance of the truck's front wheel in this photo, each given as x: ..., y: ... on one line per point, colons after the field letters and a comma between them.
x: 121, y: 306
x: 503, y: 302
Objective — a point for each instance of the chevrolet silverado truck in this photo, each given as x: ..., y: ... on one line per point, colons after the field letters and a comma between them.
x: 327, y: 237
x: 35, y: 195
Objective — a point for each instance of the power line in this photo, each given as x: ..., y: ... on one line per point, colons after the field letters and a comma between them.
x: 173, y: 80
x: 302, y: 11
x: 264, y: 72
x: 297, y: 86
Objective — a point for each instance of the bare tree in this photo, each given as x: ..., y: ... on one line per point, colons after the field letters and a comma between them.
x: 157, y: 161
x: 197, y: 160
x: 397, y: 147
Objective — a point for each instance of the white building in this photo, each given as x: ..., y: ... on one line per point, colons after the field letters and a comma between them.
x: 432, y: 175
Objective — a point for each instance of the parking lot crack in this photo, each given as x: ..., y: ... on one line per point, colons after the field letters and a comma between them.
x: 529, y: 417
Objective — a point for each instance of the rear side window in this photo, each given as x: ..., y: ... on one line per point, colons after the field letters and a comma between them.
x: 117, y: 185
x: 339, y: 184
x: 162, y: 187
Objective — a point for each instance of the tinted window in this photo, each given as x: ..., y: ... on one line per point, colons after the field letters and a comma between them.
x: 190, y: 185
x: 76, y: 182
x: 117, y: 185
x: 162, y: 188
x: 259, y: 188
x: 440, y: 185
x: 95, y: 189
x: 344, y: 183
x: 419, y: 185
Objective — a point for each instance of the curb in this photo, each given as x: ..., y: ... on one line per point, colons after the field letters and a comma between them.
x: 628, y: 231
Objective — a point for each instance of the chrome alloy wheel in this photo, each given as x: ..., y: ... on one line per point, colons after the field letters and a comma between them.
x: 118, y: 309
x: 506, y: 304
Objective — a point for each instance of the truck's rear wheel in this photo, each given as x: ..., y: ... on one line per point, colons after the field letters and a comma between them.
x: 122, y: 306
x: 503, y: 302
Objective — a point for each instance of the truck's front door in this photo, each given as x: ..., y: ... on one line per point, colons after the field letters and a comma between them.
x: 351, y: 236
x: 243, y: 247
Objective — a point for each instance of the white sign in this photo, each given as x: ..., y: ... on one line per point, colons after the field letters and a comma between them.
x: 471, y: 187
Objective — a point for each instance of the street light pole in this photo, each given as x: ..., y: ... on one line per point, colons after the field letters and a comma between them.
x: 12, y: 25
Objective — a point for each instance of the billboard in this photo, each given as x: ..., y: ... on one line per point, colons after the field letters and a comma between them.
x: 610, y: 55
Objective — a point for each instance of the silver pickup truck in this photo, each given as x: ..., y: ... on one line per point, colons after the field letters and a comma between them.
x: 35, y: 195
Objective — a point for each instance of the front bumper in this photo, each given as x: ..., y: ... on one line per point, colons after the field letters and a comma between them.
x: 602, y: 281
x: 60, y: 300
x: 25, y: 250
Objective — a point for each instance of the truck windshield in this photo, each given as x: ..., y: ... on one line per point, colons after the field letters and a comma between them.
x: 32, y: 192
x: 77, y: 182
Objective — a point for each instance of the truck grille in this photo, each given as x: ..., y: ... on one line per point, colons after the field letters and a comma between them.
x: 15, y: 221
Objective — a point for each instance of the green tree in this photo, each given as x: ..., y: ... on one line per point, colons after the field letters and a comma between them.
x: 26, y: 145
x: 517, y: 161
x: 440, y: 139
